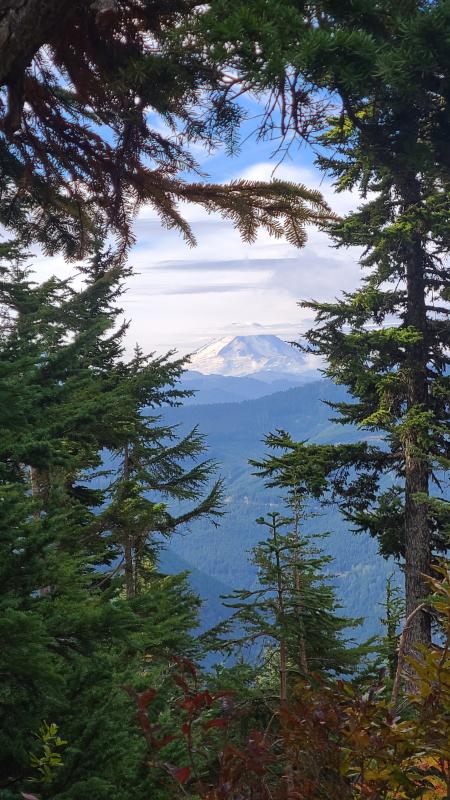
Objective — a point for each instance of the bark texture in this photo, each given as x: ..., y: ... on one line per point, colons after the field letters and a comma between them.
x: 25, y: 26
x: 417, y: 532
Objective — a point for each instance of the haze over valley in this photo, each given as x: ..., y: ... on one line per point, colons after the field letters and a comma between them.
x: 235, y: 411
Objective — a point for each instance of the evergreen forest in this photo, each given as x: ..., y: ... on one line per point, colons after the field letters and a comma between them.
x: 117, y: 681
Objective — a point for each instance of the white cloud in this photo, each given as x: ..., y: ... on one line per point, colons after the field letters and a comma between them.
x: 183, y: 297
x: 234, y: 280
x: 340, y: 203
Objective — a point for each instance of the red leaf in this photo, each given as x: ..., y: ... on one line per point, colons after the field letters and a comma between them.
x: 146, y: 697
x: 182, y: 774
x: 188, y: 705
x: 190, y: 667
x: 181, y: 682
x: 164, y: 741
x: 185, y: 728
x: 202, y: 699
x: 215, y: 723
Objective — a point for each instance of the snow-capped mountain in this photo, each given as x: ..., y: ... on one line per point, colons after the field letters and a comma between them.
x: 265, y: 357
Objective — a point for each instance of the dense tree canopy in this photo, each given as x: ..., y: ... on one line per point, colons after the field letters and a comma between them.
x: 69, y: 621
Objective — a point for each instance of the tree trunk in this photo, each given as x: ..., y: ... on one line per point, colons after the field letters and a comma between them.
x: 280, y: 597
x: 303, y: 659
x: 283, y: 673
x: 39, y: 492
x: 128, y: 543
x: 130, y: 584
x: 40, y: 487
x: 417, y: 532
x: 25, y: 25
x: 417, y: 548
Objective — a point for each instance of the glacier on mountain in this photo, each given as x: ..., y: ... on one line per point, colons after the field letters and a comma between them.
x: 262, y: 356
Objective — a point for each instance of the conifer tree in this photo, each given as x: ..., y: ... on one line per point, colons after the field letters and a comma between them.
x: 293, y: 611
x: 294, y: 605
x: 369, y: 85
x: 99, y: 106
x: 156, y: 466
x: 71, y: 634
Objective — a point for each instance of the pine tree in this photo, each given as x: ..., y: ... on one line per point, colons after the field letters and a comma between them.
x: 369, y: 85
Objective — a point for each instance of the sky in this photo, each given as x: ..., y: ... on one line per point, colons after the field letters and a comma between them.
x: 183, y: 298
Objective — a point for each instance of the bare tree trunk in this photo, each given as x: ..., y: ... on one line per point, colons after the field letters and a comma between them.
x: 417, y: 550
x: 283, y: 672
x: 280, y: 599
x: 35, y: 483
x: 128, y: 545
x: 402, y: 653
x: 303, y: 659
x: 39, y: 492
x: 40, y: 486
x: 130, y: 584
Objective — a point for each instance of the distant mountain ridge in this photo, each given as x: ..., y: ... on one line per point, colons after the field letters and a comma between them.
x: 214, y: 388
x: 263, y: 356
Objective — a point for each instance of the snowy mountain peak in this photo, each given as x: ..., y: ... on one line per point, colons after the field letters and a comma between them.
x: 262, y: 356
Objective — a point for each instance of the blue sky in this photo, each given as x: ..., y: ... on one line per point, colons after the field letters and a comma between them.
x: 183, y: 297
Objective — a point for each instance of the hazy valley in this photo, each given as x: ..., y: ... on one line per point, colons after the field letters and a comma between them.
x: 234, y: 433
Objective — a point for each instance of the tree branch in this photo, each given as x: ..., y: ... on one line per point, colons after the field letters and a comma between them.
x: 401, y: 653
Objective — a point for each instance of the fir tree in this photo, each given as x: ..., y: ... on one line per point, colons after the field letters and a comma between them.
x: 369, y: 84
x: 99, y: 104
x: 293, y: 611
x: 73, y: 636
x: 295, y: 604
x: 156, y: 466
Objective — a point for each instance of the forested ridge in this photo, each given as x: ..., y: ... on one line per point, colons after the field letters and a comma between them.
x: 109, y: 688
x: 232, y: 432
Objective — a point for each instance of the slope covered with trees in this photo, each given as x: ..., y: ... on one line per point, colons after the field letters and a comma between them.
x: 236, y: 432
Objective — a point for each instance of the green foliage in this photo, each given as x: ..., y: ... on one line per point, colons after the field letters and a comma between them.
x: 99, y: 108
x: 85, y: 610
x: 49, y: 757
x: 331, y: 739
x: 233, y: 432
x: 293, y: 610
x: 369, y: 84
x: 71, y: 635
